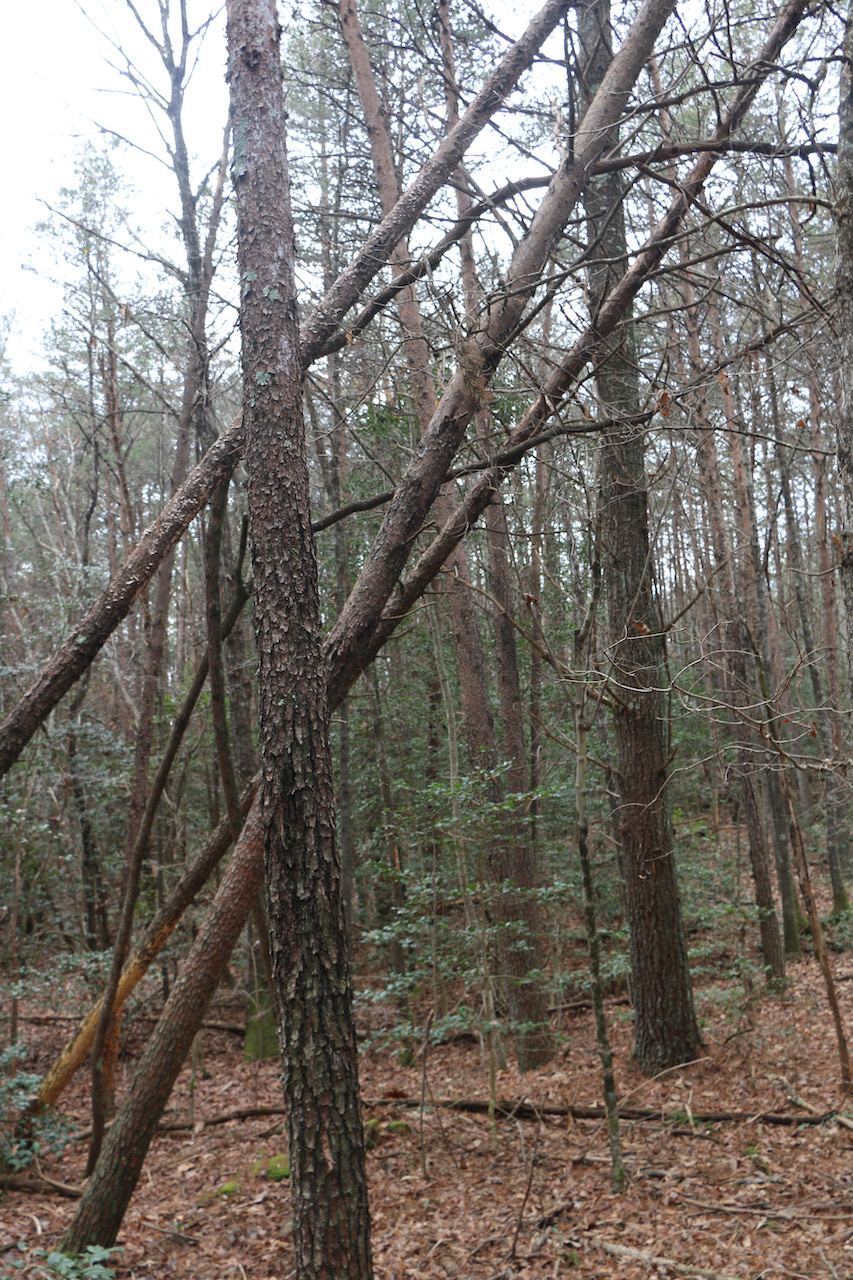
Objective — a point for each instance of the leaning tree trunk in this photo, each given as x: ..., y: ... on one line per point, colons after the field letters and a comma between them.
x: 112, y: 606
x: 152, y: 942
x: 356, y: 632
x: 102, y: 1206
x: 365, y: 640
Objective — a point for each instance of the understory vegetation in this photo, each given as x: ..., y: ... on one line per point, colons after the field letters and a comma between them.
x: 425, y: 652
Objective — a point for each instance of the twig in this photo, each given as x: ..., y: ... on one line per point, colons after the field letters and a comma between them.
x: 225, y: 1117
x: 653, y: 1260
x: 582, y: 1005
x: 483, y: 1245
x: 423, y: 1091
x: 807, y: 1106
x: 765, y: 1211
x: 174, y: 1233
x: 511, y: 1257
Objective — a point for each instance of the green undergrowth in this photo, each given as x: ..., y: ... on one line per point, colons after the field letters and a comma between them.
x: 446, y: 931
x: 22, y: 1137
x: 91, y: 1264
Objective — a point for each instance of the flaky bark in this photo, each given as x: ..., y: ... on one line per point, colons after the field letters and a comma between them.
x: 312, y: 986
x: 216, y: 673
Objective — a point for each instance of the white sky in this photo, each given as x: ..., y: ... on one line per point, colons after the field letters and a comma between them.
x: 56, y: 87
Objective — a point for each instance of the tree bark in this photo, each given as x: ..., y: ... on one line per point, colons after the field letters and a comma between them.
x: 149, y: 947
x: 666, y: 1030
x: 101, y: 1209
x: 312, y: 985
x: 587, y: 348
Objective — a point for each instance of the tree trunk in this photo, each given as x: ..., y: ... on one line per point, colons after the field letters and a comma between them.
x: 831, y: 721
x: 753, y: 670
x: 512, y: 860
x: 843, y: 209
x: 396, y: 224
x: 666, y: 1028
x: 94, y: 896
x: 308, y: 944
x: 587, y: 348
x: 738, y: 691
x: 149, y: 947
x: 101, y: 1209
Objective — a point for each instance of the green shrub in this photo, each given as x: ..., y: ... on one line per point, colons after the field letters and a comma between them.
x: 20, y: 1143
x: 88, y: 1265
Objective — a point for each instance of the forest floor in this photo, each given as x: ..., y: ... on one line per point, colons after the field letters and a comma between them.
x: 739, y: 1197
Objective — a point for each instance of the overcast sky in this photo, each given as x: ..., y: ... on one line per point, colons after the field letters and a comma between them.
x: 56, y: 88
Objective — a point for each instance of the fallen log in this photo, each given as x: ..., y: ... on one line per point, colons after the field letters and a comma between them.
x: 38, y: 1184
x: 505, y: 1107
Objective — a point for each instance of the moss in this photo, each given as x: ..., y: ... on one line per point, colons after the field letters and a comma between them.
x: 274, y: 1168
x: 229, y: 1188
x: 277, y: 1168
